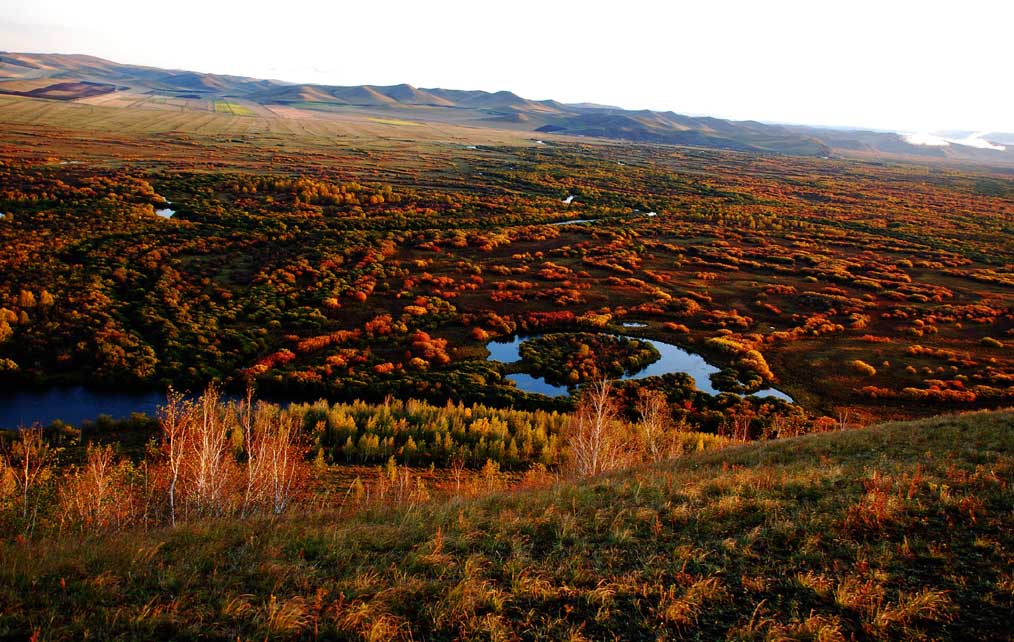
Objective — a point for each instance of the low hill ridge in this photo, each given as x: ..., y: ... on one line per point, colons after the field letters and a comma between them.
x: 474, y: 107
x: 492, y: 108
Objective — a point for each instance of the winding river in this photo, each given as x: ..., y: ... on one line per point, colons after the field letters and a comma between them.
x: 75, y: 404
x: 673, y: 359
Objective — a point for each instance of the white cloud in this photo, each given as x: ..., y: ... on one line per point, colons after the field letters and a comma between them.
x: 976, y: 140
x: 926, y: 139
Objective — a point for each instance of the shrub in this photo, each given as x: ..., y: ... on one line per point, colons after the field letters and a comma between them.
x: 862, y: 368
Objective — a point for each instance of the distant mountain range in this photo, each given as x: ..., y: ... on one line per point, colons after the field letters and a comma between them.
x: 90, y: 79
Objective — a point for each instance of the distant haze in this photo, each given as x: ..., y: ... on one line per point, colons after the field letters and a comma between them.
x: 913, y: 67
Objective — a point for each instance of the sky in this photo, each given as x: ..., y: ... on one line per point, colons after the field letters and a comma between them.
x: 896, y: 65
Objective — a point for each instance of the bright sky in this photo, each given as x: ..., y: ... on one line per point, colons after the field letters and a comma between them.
x: 891, y: 64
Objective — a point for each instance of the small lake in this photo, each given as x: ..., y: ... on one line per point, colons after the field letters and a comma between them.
x: 165, y: 211
x: 673, y: 359
x: 574, y: 221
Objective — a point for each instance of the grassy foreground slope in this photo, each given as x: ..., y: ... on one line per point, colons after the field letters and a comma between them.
x: 899, y: 531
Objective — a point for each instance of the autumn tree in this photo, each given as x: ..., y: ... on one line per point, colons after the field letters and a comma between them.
x: 207, y: 460
x: 98, y: 495
x: 254, y: 461
x: 176, y: 419
x: 659, y: 437
x: 223, y: 459
x: 29, y: 459
x: 275, y: 466
x: 285, y: 457
x: 597, y: 440
x: 26, y: 299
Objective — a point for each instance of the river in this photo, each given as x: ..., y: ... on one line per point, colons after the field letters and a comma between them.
x: 75, y: 404
x: 72, y: 405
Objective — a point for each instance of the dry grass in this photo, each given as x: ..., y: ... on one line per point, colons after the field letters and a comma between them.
x: 788, y: 540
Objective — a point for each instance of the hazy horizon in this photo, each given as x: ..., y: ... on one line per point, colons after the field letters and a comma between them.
x: 909, y: 67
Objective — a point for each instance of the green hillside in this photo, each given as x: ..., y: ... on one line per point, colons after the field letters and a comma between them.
x: 899, y: 531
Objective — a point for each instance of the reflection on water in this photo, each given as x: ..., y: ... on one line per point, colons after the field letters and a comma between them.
x: 528, y: 383
x: 165, y: 212
x: 505, y: 351
x: 673, y: 359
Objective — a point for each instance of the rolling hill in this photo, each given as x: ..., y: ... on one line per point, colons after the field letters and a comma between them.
x: 80, y: 77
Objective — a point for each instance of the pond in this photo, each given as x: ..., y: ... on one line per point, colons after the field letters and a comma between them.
x: 165, y: 212
x: 673, y: 359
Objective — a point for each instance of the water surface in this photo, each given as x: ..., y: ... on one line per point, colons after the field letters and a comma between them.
x: 539, y: 385
x: 673, y: 359
x: 72, y: 405
x: 75, y: 404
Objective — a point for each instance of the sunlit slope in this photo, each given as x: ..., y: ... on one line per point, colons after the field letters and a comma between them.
x: 292, y: 123
x: 92, y: 80
x: 96, y: 81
